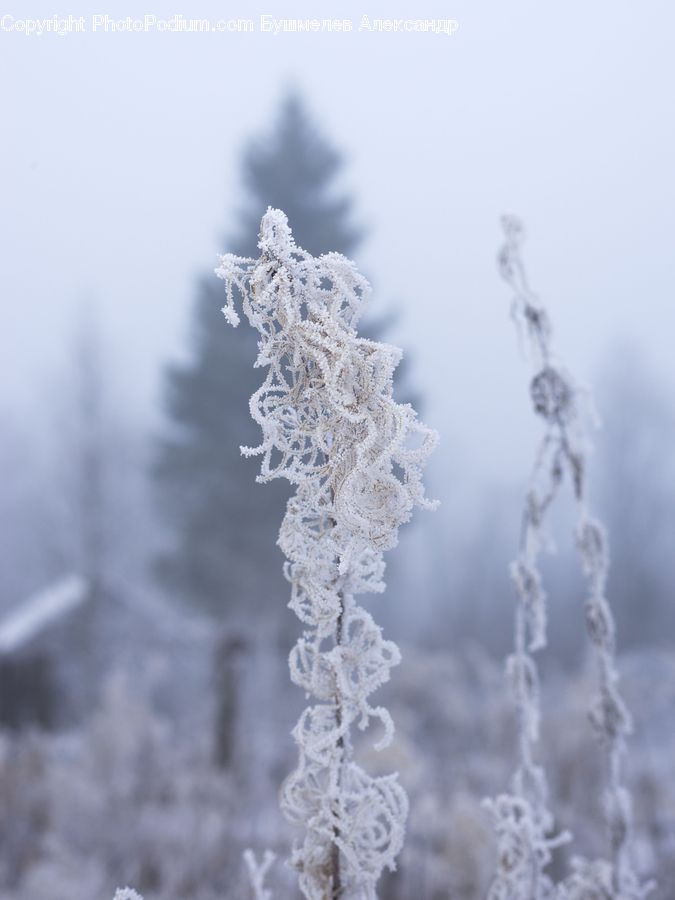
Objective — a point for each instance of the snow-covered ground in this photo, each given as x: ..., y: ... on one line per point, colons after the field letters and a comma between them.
x: 134, y: 797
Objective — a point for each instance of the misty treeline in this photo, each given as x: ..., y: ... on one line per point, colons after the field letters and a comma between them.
x: 171, y: 511
x: 160, y: 496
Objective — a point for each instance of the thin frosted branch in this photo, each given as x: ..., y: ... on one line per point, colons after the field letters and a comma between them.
x: 257, y: 872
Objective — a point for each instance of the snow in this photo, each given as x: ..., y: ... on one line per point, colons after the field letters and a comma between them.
x: 24, y: 623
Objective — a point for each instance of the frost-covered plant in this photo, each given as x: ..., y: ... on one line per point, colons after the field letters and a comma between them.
x: 524, y: 824
x: 331, y: 427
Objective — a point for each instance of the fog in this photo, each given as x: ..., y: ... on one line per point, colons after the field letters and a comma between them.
x: 121, y: 152
x: 145, y: 708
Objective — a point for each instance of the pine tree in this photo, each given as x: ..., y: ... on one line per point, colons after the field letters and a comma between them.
x: 222, y: 554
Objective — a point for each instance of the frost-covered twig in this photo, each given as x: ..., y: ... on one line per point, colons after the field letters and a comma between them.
x: 127, y: 894
x: 331, y: 427
x: 523, y: 822
x: 257, y: 872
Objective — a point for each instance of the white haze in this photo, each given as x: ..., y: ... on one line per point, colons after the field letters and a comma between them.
x: 120, y: 162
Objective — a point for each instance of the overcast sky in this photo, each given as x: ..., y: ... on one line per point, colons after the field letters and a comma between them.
x: 120, y: 177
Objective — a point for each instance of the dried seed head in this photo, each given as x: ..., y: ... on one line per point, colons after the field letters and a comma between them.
x: 552, y: 396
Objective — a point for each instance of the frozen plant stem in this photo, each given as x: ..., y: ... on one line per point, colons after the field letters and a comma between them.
x: 257, y: 872
x: 335, y: 849
x: 523, y: 821
x: 331, y: 427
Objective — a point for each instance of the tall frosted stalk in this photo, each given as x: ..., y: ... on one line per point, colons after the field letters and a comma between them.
x: 523, y: 822
x: 331, y: 427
